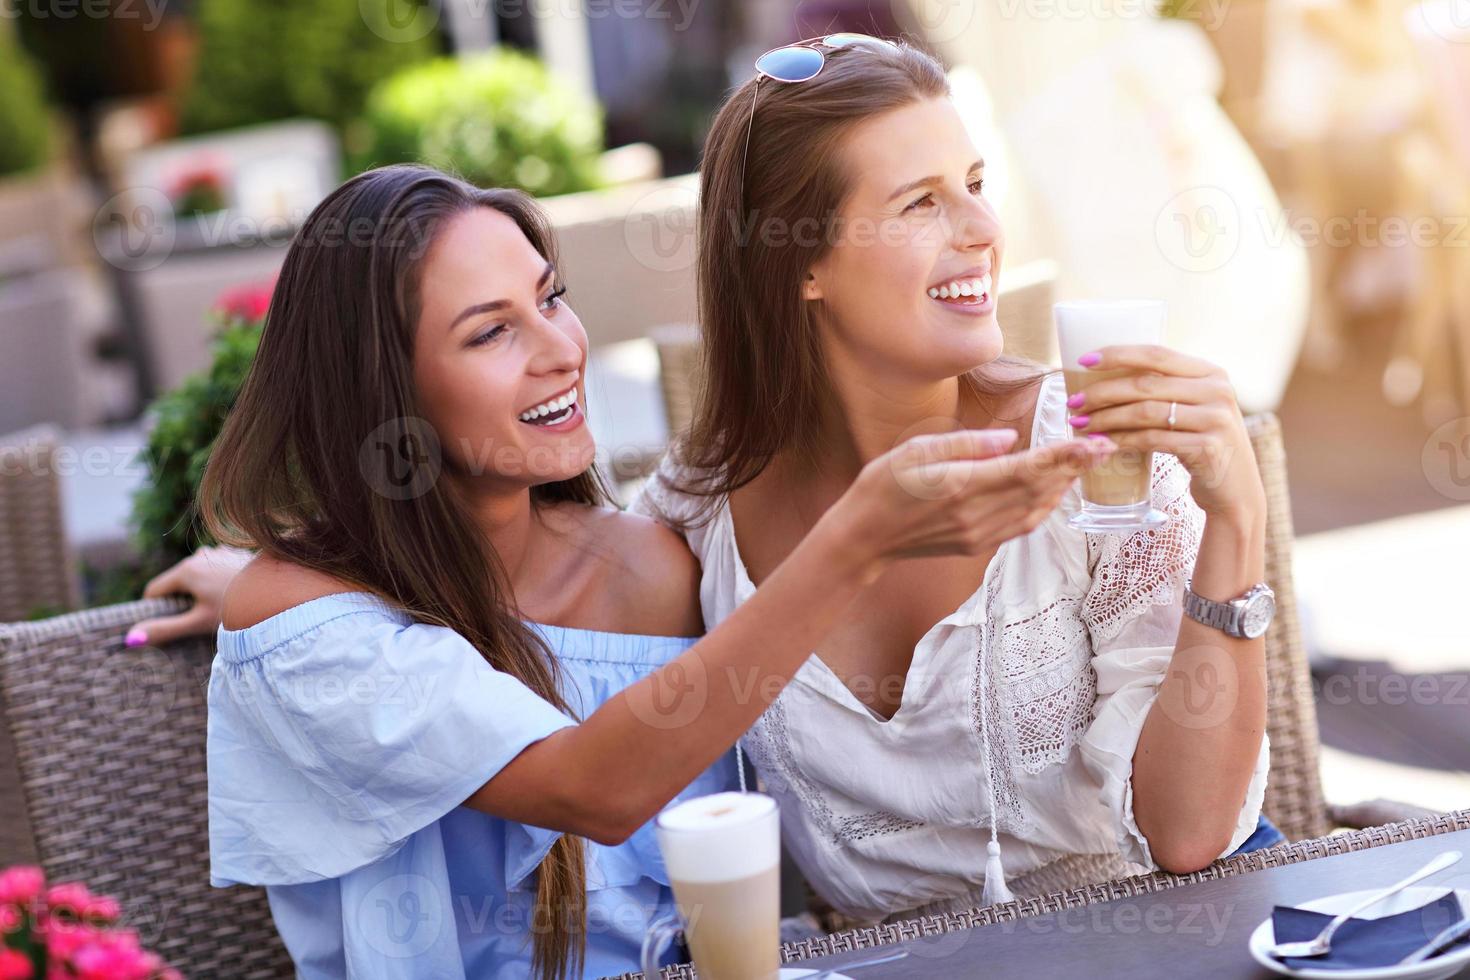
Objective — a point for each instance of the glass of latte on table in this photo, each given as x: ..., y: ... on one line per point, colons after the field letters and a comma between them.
x: 723, y: 855
x: 1115, y: 492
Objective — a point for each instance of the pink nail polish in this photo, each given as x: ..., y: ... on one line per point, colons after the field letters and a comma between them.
x: 1088, y: 360
x: 135, y: 638
x: 1076, y: 400
x: 1079, y: 421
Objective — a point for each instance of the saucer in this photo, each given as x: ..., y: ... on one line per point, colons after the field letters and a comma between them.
x: 1435, y: 968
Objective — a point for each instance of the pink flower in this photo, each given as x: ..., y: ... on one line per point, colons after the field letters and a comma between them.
x: 102, y: 909
x: 114, y: 956
x: 64, y: 938
x: 71, y: 896
x: 21, y: 884
x: 201, y: 169
x: 10, y: 918
x: 15, y: 965
x: 98, y: 961
x: 248, y: 303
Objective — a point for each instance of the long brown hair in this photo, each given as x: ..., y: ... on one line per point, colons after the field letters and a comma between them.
x: 296, y: 471
x: 763, y: 379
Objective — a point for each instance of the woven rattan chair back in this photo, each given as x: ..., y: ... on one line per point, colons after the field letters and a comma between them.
x: 1294, y: 798
x: 37, y: 571
x: 110, y: 746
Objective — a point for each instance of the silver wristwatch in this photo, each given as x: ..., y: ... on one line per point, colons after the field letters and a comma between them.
x: 1246, y: 617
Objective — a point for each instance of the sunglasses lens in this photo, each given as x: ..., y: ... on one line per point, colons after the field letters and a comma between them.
x: 858, y: 41
x: 790, y: 64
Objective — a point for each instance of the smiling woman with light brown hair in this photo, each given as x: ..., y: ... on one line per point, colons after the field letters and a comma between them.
x: 1037, y: 696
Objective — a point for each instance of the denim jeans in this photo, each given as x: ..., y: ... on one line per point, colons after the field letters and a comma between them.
x: 1264, y: 835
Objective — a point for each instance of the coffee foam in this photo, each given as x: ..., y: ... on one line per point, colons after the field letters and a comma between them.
x: 1085, y: 326
x: 722, y: 837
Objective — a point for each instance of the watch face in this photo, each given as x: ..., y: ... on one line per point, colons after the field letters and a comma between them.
x: 1257, y: 616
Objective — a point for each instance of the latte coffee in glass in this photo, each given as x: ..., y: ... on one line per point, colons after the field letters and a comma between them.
x: 723, y: 855
x: 1115, y: 492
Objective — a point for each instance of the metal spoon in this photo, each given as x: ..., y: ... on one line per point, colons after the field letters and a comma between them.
x: 1322, y: 944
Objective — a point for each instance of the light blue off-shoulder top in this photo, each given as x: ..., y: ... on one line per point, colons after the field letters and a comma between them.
x: 343, y: 738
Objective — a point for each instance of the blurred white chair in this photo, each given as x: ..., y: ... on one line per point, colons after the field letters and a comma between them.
x: 41, y: 351
x: 628, y: 255
x: 271, y: 175
x: 1440, y: 163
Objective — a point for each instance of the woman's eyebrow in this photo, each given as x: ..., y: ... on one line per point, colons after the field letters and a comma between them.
x: 914, y: 185
x: 498, y: 304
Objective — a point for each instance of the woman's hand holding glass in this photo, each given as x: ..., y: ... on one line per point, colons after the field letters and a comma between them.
x: 1207, y: 434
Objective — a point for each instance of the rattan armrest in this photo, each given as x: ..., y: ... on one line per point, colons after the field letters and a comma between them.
x: 1375, y: 813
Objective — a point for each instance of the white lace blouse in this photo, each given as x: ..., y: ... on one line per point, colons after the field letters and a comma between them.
x: 1053, y: 663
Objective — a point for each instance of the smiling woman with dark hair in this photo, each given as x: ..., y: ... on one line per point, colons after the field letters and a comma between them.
x: 437, y: 723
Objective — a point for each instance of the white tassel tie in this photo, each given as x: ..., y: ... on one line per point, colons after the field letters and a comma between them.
x: 995, y: 877
x: 995, y: 890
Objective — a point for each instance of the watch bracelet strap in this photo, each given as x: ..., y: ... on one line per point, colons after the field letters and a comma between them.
x: 1220, y: 615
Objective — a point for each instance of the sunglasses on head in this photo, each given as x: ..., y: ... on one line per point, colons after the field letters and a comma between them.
x: 801, y: 62
x: 804, y: 60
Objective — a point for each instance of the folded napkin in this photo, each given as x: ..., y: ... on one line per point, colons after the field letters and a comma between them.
x: 1363, y: 943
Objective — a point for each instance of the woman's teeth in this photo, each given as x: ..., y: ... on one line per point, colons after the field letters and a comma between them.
x: 552, y: 412
x: 961, y: 290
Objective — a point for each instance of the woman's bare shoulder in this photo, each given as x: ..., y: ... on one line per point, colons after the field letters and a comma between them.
x: 269, y: 586
x: 645, y: 571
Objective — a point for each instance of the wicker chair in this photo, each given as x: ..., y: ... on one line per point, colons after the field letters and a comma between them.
x: 37, y: 570
x: 1294, y: 799
x: 110, y: 746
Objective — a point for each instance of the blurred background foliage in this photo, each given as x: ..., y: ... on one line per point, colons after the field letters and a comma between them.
x: 263, y: 60
x: 497, y: 118
x: 25, y: 117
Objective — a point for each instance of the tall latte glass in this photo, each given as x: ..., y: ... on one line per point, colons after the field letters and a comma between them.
x: 1115, y: 493
x: 723, y: 855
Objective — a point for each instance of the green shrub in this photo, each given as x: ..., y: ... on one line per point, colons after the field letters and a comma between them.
x: 186, y: 423
x: 263, y: 60
x: 25, y: 118
x: 497, y: 119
